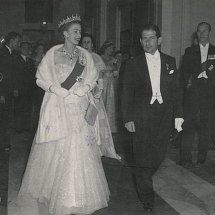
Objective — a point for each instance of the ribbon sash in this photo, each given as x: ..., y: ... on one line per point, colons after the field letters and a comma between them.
x: 72, y: 78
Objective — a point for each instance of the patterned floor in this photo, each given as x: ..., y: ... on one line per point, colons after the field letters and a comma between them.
x: 182, y: 191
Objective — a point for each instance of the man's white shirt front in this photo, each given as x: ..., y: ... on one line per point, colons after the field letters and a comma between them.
x: 204, y: 54
x: 154, y: 67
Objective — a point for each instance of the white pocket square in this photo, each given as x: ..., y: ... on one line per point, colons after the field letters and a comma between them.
x: 171, y: 71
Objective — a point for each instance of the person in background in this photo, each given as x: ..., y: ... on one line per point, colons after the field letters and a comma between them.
x: 64, y: 171
x: 39, y: 51
x: 38, y: 54
x: 198, y: 75
x: 109, y: 78
x: 7, y: 71
x: 24, y: 85
x: 2, y: 40
x: 150, y: 92
x: 118, y: 57
x: 87, y: 42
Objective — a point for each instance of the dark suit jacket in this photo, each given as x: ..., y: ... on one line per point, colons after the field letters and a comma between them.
x: 24, y: 75
x: 201, y: 91
x: 7, y: 70
x: 137, y: 90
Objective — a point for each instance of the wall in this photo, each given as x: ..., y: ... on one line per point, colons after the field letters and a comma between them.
x: 12, y: 16
x: 179, y: 21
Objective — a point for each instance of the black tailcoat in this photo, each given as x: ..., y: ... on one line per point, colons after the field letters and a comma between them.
x: 152, y: 121
x: 25, y: 83
x: 199, y: 101
x: 7, y: 70
x: 6, y: 89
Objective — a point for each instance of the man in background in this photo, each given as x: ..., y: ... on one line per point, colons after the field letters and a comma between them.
x: 7, y: 71
x: 198, y: 75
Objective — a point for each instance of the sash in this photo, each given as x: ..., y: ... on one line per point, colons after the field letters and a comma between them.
x: 73, y: 76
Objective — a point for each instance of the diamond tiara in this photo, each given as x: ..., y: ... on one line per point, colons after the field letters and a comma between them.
x: 69, y: 19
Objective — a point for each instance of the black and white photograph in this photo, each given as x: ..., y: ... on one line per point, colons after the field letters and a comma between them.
x: 107, y: 107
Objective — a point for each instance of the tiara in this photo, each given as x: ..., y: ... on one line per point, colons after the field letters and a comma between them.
x: 69, y: 19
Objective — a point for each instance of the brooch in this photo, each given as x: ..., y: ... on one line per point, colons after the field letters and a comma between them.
x: 82, y: 60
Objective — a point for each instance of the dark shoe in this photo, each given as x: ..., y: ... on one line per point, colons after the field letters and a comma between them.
x: 148, y: 206
x: 184, y: 163
x: 212, y: 149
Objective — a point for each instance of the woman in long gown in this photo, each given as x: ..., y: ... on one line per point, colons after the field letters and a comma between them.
x: 110, y: 75
x: 64, y: 169
x: 87, y: 42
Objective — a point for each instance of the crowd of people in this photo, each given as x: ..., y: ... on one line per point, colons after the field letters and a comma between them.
x: 75, y: 96
x: 18, y: 90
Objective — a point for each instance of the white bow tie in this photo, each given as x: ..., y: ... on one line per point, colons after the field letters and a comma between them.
x: 202, y: 75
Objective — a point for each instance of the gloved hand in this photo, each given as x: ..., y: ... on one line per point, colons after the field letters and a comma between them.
x: 130, y: 126
x: 98, y: 94
x: 2, y: 100
x: 59, y: 91
x: 16, y: 93
x: 81, y: 91
x: 178, y: 124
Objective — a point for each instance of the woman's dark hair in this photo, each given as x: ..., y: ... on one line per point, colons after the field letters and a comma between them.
x: 86, y: 34
x: 11, y: 36
x: 151, y: 27
x: 105, y: 45
x: 37, y: 45
x: 117, y: 52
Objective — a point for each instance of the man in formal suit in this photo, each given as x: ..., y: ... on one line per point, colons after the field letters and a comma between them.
x: 25, y: 85
x: 151, y: 96
x: 12, y: 43
x: 198, y: 75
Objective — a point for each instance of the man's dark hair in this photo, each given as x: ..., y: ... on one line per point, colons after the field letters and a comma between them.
x: 12, y: 35
x: 151, y: 27
x: 204, y: 23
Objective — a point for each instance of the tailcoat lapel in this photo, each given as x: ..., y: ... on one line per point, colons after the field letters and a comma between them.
x: 144, y: 71
x: 164, y: 72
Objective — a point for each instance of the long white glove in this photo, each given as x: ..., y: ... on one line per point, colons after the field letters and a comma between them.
x: 178, y: 124
x: 45, y: 86
x: 59, y: 91
x: 81, y: 91
x: 130, y: 126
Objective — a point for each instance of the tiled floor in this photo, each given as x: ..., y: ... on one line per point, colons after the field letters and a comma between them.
x: 179, y: 190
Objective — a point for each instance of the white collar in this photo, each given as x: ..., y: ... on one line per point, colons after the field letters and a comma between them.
x: 9, y: 49
x: 204, y: 47
x: 155, y: 56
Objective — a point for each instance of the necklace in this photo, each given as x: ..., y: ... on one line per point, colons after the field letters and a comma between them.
x: 70, y: 55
